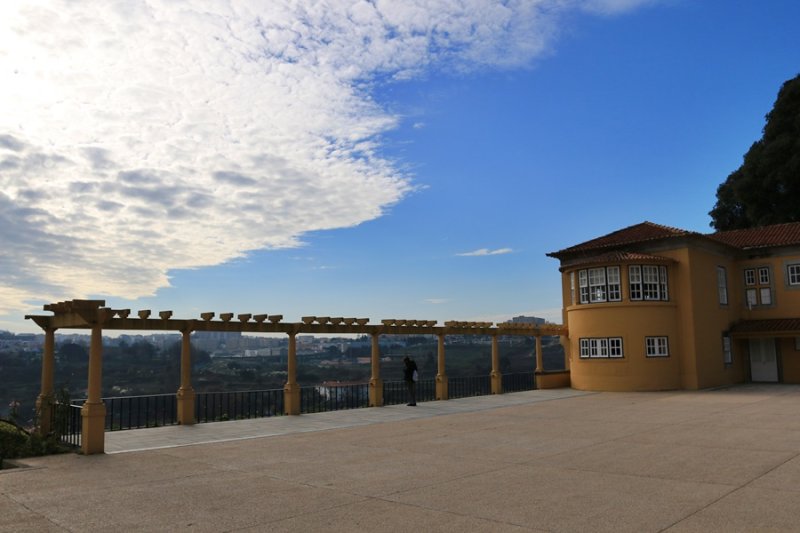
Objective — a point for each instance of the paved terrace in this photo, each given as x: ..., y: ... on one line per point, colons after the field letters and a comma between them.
x: 723, y: 460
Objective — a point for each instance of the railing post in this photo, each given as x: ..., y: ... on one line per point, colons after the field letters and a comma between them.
x: 93, y: 412
x: 441, y: 375
x: 44, y: 403
x: 291, y: 391
x: 375, y: 381
x: 185, y: 394
x: 496, y: 375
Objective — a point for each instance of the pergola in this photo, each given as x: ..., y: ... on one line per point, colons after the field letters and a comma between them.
x: 93, y: 315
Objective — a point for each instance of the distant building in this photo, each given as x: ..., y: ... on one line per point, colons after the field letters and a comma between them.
x: 651, y: 307
x: 526, y: 320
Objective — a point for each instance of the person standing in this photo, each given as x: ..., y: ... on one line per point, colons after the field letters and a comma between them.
x: 411, y: 375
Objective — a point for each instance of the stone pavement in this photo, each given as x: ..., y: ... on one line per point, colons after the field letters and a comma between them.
x: 722, y: 460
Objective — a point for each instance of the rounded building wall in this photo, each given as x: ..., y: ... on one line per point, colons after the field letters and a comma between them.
x: 632, y: 322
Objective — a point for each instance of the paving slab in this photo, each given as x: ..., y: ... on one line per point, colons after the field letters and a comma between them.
x: 719, y: 460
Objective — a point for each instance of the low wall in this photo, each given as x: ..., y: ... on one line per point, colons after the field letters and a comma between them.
x: 558, y: 379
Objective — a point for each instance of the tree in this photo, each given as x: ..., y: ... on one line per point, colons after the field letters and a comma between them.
x: 765, y: 189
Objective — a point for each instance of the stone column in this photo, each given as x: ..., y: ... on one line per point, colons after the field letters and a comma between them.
x: 539, y: 364
x: 93, y: 412
x: 375, y: 381
x: 441, y: 375
x: 291, y: 391
x: 46, y: 399
x: 496, y: 375
x: 185, y: 394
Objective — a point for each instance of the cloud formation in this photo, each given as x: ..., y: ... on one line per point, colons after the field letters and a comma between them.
x: 142, y: 136
x: 485, y: 251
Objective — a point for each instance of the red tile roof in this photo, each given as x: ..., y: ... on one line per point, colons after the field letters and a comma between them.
x: 618, y: 256
x: 646, y: 231
x: 764, y: 237
x: 787, y: 326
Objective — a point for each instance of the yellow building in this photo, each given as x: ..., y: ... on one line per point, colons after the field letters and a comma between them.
x: 651, y: 307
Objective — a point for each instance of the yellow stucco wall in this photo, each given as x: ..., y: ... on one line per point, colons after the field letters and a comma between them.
x: 790, y: 359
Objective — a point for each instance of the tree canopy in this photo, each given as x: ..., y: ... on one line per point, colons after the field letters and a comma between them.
x: 766, y: 188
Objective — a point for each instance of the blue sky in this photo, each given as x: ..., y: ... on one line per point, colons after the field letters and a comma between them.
x: 401, y: 162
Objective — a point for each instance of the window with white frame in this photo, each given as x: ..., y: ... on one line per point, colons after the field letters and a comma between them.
x: 635, y: 282
x: 601, y: 284
x: 656, y: 346
x: 751, y: 296
x: 758, y: 290
x: 650, y: 282
x: 662, y: 282
x: 793, y: 274
x: 765, y: 293
x: 722, y: 285
x: 601, y: 348
x: 572, y: 288
x: 583, y: 282
x: 727, y: 351
x: 597, y: 285
x: 614, y: 290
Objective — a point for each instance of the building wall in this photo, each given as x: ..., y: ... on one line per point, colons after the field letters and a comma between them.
x: 632, y: 321
x: 790, y: 359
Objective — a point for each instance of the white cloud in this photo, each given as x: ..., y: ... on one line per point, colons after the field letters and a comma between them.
x: 141, y: 136
x: 436, y: 301
x: 485, y: 251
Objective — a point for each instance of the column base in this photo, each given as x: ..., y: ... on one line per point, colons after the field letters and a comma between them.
x: 291, y: 399
x: 93, y: 428
x: 185, y: 398
x: 442, y: 386
x: 376, y: 392
x: 496, y: 379
x: 44, y: 414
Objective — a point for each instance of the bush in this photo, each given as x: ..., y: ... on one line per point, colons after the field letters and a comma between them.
x: 17, y: 442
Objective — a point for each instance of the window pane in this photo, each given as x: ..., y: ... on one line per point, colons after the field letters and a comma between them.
x: 614, y: 289
x: 763, y: 276
x: 749, y: 277
x: 651, y: 284
x: 597, y: 284
x: 663, y: 278
x: 766, y: 296
x: 751, y: 298
x: 635, y: 281
x: 722, y: 285
x: 794, y: 274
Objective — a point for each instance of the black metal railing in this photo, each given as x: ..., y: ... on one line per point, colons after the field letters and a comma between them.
x: 518, y: 382
x: 66, y: 423
x: 463, y: 387
x: 133, y: 412
x: 237, y: 405
x: 396, y: 392
x: 319, y: 398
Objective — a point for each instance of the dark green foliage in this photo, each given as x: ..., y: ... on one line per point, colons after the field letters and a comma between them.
x: 766, y: 188
x: 18, y: 442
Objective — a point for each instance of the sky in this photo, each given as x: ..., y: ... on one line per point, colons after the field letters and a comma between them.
x: 376, y: 159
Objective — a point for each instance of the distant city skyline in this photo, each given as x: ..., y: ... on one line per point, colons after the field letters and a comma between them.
x: 380, y: 160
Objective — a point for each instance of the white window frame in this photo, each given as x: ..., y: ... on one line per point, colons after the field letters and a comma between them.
x: 751, y: 297
x: 722, y: 285
x: 763, y: 276
x: 635, y: 282
x: 749, y: 276
x: 613, y: 279
x: 601, y: 348
x: 793, y: 274
x: 656, y: 346
x: 583, y: 283
x: 650, y: 283
x: 727, y: 350
x: 597, y: 285
x: 765, y: 295
x: 572, y: 287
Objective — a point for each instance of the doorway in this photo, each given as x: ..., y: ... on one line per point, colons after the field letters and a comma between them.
x: 763, y: 361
